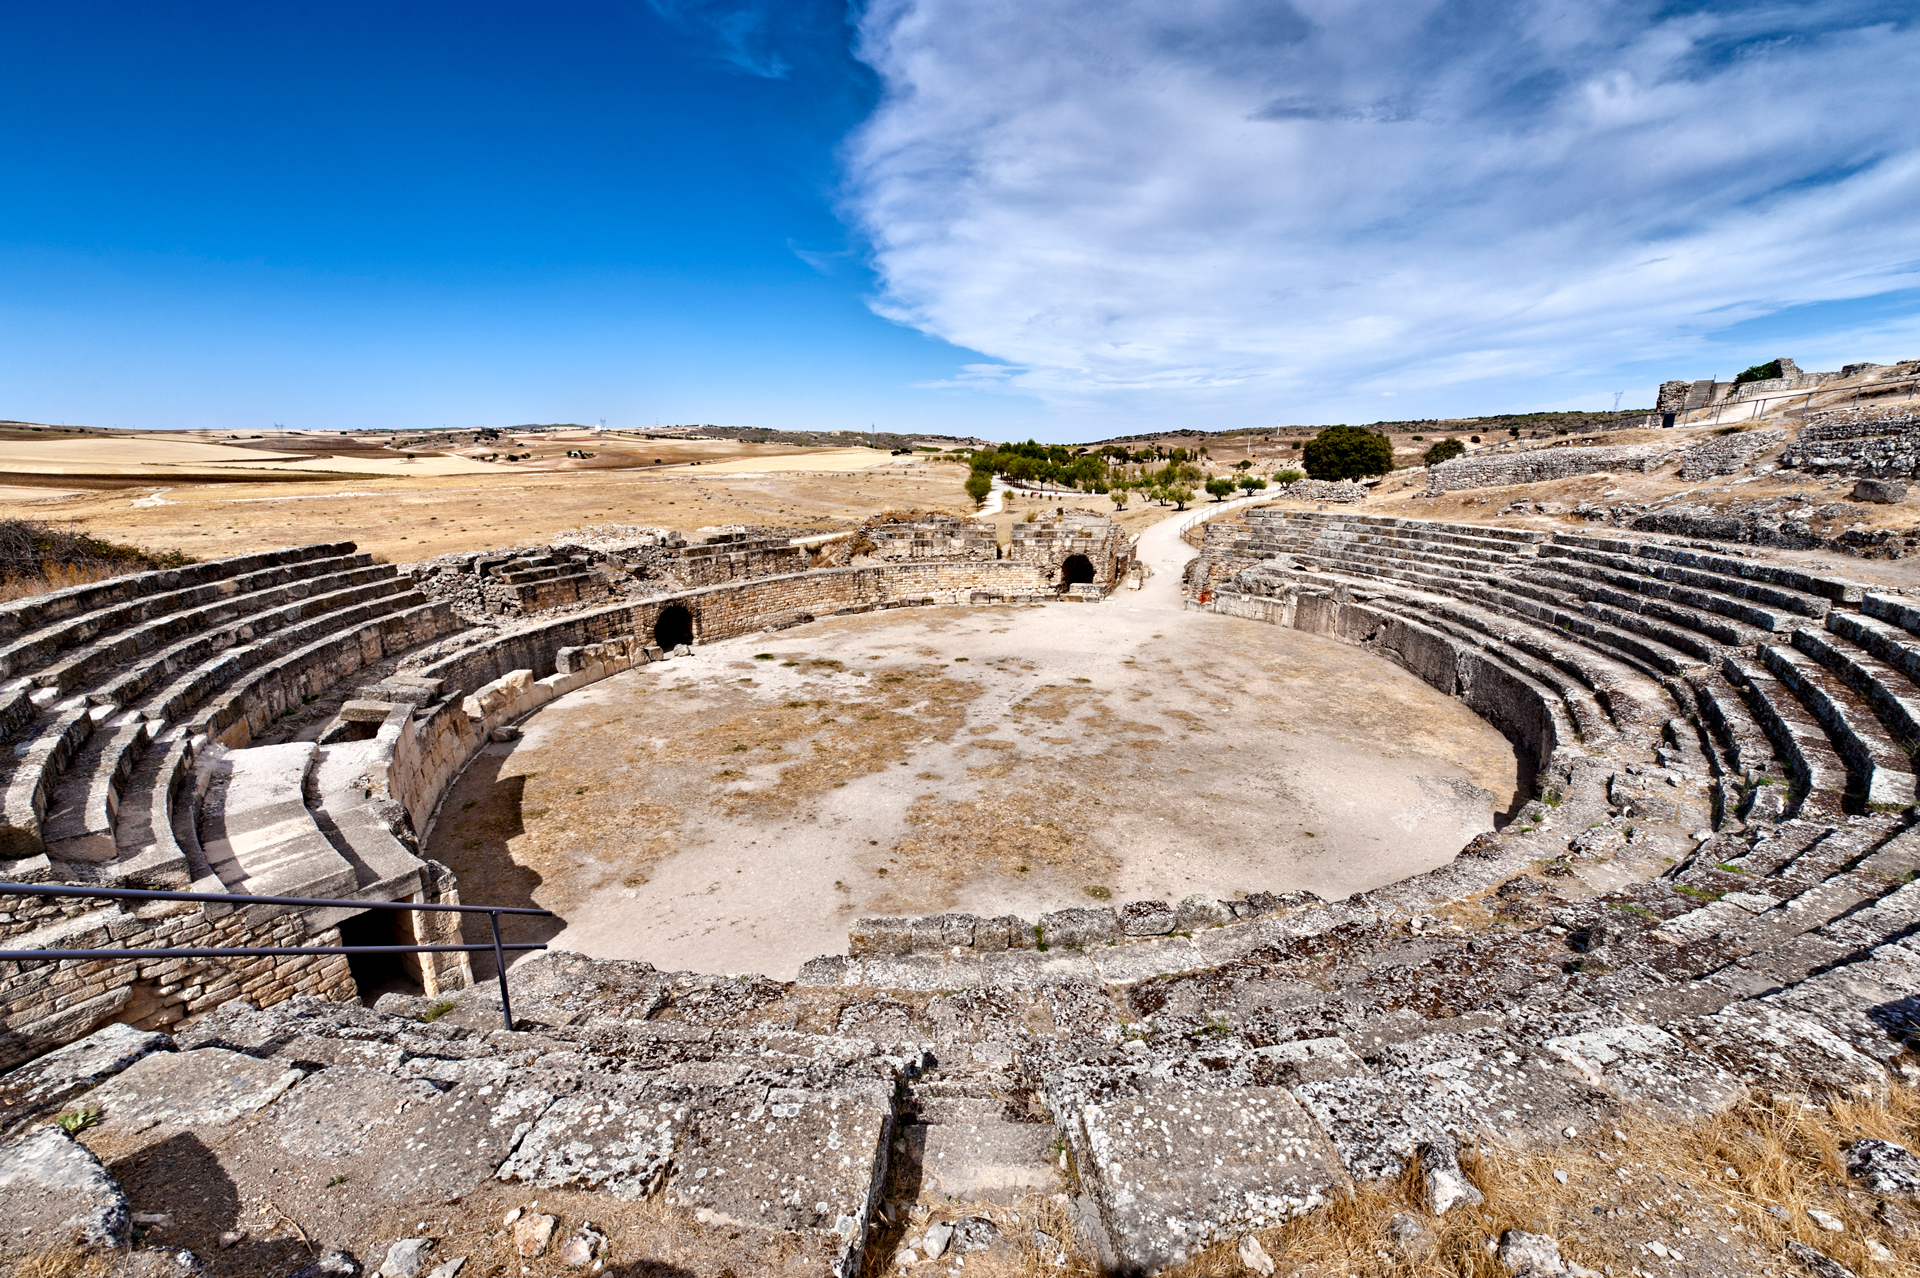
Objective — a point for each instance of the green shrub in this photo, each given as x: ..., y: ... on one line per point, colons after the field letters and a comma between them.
x: 1347, y: 452
x: 1445, y: 450
x: 979, y: 484
x: 1759, y: 373
x: 1288, y: 476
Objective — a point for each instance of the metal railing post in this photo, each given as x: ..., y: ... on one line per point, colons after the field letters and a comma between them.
x: 500, y: 966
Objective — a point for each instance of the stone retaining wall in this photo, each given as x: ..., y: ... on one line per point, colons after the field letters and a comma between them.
x: 49, y: 1004
x: 1880, y: 443
x: 1538, y: 465
x: 1726, y: 454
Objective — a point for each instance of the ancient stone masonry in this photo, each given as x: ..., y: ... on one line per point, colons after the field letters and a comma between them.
x: 1717, y: 747
x: 1560, y: 461
x: 1335, y: 492
x: 1726, y: 454
x: 1078, y: 553
x: 947, y: 537
x: 1881, y: 443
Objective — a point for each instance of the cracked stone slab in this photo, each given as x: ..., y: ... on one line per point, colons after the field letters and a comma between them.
x: 970, y: 1152
x: 209, y: 1086
x: 41, y: 1086
x: 614, y: 1135
x: 1644, y: 1065
x: 1172, y: 1168
x: 1449, y: 1086
x: 54, y: 1192
x: 811, y: 1160
x: 1782, y: 1052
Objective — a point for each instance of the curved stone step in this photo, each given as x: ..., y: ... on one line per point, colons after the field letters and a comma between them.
x: 39, y: 628
x: 1893, y: 696
x: 1880, y: 771
x: 37, y: 761
x: 1799, y: 741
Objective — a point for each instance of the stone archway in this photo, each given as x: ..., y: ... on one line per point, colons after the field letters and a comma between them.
x: 1077, y: 570
x: 673, y: 627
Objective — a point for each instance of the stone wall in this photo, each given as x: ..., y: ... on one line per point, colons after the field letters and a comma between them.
x: 935, y: 538
x: 43, y: 1005
x: 1046, y: 544
x: 1493, y: 469
x: 1726, y: 454
x: 1880, y: 443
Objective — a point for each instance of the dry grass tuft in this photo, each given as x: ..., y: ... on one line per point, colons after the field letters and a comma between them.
x: 63, y: 1262
x: 1663, y: 1178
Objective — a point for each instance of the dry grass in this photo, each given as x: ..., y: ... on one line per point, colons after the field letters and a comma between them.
x: 1661, y: 1178
x: 63, y: 1262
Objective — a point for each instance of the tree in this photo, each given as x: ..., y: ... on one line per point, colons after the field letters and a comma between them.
x: 1347, y: 452
x: 1179, y: 497
x: 1243, y: 464
x: 1251, y: 484
x: 1220, y: 488
x: 979, y: 484
x: 1445, y: 450
x: 1288, y: 476
x: 1119, y: 497
x: 1759, y: 373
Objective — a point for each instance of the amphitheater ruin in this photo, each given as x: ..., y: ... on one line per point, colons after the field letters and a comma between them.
x: 1682, y: 880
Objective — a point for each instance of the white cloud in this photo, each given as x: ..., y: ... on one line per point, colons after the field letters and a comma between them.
x: 1221, y: 208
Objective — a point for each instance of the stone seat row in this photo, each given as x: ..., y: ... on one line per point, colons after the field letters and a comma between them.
x: 107, y: 704
x: 1826, y: 687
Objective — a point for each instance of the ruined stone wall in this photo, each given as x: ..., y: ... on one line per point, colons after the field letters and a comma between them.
x: 1490, y: 469
x: 951, y: 538
x: 43, y: 1005
x: 1728, y: 453
x: 1047, y: 544
x: 236, y: 717
x: 1880, y: 443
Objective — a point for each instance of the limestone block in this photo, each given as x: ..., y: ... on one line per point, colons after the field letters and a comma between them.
x: 1197, y: 912
x: 1646, y: 1066
x: 803, y: 1159
x: 54, y: 1192
x: 612, y: 1135
x: 1783, y: 1053
x: 1146, y: 918
x: 36, y: 1088
x: 941, y: 932
x: 1171, y: 1168
x: 880, y: 937
x: 1079, y: 928
x: 210, y: 1086
x: 1884, y: 491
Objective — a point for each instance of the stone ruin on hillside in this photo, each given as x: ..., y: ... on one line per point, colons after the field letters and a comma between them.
x: 1082, y: 553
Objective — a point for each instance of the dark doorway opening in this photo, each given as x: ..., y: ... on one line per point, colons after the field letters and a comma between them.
x: 673, y: 627
x: 377, y: 974
x: 1077, y: 571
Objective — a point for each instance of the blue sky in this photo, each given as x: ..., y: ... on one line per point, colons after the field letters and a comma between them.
x: 1002, y: 217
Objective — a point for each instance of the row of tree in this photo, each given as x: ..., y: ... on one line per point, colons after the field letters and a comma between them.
x: 1170, y: 475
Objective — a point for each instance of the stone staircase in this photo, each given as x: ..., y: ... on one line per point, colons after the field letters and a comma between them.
x: 113, y: 690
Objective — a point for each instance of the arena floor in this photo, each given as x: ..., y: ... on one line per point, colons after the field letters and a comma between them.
x: 735, y: 810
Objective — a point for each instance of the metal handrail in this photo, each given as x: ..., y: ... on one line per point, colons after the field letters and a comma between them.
x: 493, y: 912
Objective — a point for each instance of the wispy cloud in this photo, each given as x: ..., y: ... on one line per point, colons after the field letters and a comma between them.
x: 743, y: 33
x: 1217, y: 207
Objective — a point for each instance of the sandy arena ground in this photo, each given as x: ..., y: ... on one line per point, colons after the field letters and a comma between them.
x: 734, y: 811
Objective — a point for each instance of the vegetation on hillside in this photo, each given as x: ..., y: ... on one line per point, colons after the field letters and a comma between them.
x: 1347, y: 452
x: 1759, y: 373
x: 36, y: 557
x: 1445, y: 450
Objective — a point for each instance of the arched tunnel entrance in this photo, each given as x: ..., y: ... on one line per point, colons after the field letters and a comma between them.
x: 1076, y: 571
x: 673, y: 627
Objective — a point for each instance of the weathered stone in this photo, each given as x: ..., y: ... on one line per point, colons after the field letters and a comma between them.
x: 54, y: 1193
x: 1642, y: 1065
x: 1254, y: 1256
x: 1817, y: 1262
x: 1079, y: 928
x: 532, y: 1233
x: 210, y: 1086
x: 1147, y: 918
x: 1530, y: 1255
x: 1884, y: 491
x: 334, y: 1262
x: 406, y: 1258
x: 1171, y: 1168
x: 613, y: 1135
x: 1447, y: 1186
x: 1198, y: 912
x: 1887, y: 1169
x: 41, y: 1086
